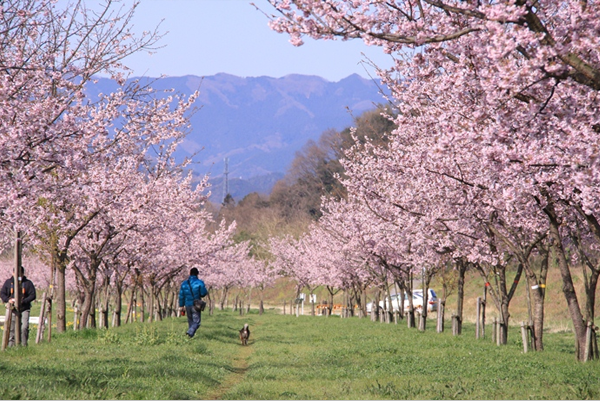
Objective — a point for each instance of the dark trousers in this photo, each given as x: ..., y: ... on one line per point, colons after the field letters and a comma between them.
x: 194, y: 317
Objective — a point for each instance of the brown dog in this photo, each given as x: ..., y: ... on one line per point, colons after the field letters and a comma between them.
x: 245, y: 334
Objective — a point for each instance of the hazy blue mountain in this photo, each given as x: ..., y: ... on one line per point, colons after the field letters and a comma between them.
x: 259, y: 123
x: 238, y: 188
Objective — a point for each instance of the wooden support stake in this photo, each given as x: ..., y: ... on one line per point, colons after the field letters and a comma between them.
x: 7, y: 323
x: 17, y: 294
x: 42, y: 322
x: 49, y: 314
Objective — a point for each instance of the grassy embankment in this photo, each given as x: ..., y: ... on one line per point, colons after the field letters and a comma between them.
x: 292, y: 358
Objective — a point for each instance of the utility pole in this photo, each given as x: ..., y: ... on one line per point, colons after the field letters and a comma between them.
x: 226, y: 179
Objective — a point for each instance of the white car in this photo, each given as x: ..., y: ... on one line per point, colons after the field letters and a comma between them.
x: 417, y: 301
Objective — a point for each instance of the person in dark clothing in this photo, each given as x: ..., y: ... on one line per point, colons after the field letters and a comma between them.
x: 27, y: 297
x: 192, y: 288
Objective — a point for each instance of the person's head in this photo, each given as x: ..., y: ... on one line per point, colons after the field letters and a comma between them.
x: 193, y: 271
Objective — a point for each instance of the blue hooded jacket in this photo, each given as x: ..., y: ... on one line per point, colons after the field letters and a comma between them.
x: 186, y: 298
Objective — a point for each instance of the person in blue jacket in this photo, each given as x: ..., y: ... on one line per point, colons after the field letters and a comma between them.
x: 192, y: 288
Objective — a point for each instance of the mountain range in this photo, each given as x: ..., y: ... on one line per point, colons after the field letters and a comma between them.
x: 259, y: 123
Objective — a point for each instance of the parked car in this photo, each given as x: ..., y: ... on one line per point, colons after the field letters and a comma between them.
x: 417, y: 301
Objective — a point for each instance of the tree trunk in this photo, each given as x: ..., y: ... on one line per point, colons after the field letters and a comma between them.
x: 118, y: 301
x: 92, y: 318
x: 131, y: 306
x: 142, y: 304
x: 410, y: 315
x: 536, y: 288
x: 567, y: 280
x: 60, y: 303
x: 104, y: 304
x: 86, y: 305
x: 462, y: 269
x: 223, y: 299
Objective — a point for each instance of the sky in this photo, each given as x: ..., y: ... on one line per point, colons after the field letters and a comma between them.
x: 206, y: 37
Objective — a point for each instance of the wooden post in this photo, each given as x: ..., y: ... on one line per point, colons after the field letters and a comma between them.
x: 49, y: 314
x: 410, y: 318
x: 422, y: 321
x: 595, y: 343
x: 440, y: 316
x: 477, y: 319
x: 494, y: 331
x: 499, y: 333
x: 42, y: 322
x: 284, y: 305
x: 524, y: 337
x: 75, y: 320
x: 17, y: 295
x: 483, y: 303
x: 454, y: 325
x: 7, y: 323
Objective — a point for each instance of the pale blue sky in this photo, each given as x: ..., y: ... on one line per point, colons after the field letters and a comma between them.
x: 206, y: 37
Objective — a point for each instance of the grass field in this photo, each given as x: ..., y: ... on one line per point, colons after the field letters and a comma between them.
x: 292, y: 358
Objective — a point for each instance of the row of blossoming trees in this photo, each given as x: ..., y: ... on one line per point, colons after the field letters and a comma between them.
x: 89, y: 181
x: 496, y: 156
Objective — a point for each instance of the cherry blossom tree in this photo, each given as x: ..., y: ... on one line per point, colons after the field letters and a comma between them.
x: 499, y: 98
x: 47, y: 55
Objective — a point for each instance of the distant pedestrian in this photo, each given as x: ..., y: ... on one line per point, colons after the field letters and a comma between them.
x: 192, y: 288
x: 27, y: 297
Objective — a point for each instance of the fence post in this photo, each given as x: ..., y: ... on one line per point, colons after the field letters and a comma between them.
x: 494, y: 331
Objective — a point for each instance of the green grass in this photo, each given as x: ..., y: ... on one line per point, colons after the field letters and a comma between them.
x: 292, y: 358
